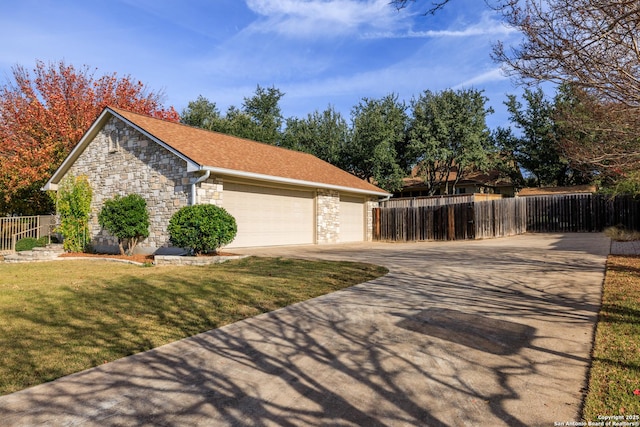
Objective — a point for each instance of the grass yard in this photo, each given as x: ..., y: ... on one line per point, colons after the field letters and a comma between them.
x: 614, y: 384
x: 57, y: 318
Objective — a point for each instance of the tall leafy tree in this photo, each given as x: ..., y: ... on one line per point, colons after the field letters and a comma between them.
x: 447, y: 133
x: 201, y: 113
x: 378, y: 134
x: 590, y: 46
x: 264, y: 112
x: 503, y: 158
x: 536, y: 149
x: 44, y: 113
x: 323, y: 134
x: 259, y: 119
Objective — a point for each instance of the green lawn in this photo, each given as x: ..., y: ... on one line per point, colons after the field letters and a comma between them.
x: 614, y: 383
x: 57, y: 318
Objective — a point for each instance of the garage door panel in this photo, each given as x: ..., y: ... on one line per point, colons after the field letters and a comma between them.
x: 351, y: 219
x: 270, y: 216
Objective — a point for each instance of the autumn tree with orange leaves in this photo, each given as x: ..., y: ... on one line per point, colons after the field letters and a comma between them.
x: 43, y: 115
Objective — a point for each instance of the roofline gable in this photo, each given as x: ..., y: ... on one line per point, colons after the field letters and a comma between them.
x: 90, y: 134
x: 192, y: 165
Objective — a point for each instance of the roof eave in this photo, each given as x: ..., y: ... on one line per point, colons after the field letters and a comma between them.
x: 292, y: 181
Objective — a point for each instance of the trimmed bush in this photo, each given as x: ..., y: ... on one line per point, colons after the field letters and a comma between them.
x: 28, y: 243
x: 127, y: 219
x: 202, y: 228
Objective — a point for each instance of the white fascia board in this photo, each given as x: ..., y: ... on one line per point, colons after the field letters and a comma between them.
x: 291, y: 181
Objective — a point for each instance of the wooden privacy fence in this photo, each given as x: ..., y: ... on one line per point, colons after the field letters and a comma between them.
x: 500, y: 218
x: 13, y: 229
x: 581, y: 213
x: 451, y: 199
x: 495, y: 218
x: 447, y: 222
x: 506, y: 217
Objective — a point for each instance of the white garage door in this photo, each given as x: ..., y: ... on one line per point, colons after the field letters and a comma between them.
x: 270, y: 216
x: 351, y: 219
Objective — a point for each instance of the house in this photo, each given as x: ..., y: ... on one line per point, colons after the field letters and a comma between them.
x: 473, y: 182
x: 557, y: 191
x: 277, y: 196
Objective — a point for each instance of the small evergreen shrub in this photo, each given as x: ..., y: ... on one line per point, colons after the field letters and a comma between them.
x: 202, y: 228
x: 127, y: 219
x: 26, y: 244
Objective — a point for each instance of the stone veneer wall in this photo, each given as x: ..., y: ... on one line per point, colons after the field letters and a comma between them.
x: 327, y: 216
x: 371, y: 203
x: 210, y: 191
x: 134, y: 165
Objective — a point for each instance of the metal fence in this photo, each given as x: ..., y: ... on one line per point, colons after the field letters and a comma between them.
x: 12, y: 229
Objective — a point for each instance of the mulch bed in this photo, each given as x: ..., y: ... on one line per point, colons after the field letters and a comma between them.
x: 136, y: 258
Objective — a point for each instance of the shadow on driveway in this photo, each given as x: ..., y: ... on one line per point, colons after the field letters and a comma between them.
x: 494, y: 332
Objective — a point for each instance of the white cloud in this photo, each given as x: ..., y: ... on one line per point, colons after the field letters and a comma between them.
x: 493, y: 75
x: 309, y: 18
x: 487, y: 26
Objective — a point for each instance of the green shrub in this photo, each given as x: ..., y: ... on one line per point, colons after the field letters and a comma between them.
x: 74, y: 207
x: 127, y: 219
x: 26, y: 244
x: 202, y: 228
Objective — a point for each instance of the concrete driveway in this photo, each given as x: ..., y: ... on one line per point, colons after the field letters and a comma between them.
x: 495, y: 332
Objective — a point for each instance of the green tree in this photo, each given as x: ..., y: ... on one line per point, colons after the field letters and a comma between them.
x: 238, y: 123
x: 264, y: 111
x: 536, y: 149
x: 590, y: 47
x: 503, y: 159
x: 201, y: 113
x: 447, y: 133
x: 259, y: 119
x: 378, y: 136
x: 74, y: 206
x: 127, y: 219
x: 323, y: 134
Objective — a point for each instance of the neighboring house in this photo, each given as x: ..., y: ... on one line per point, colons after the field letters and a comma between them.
x: 278, y: 196
x: 490, y: 182
x: 557, y: 191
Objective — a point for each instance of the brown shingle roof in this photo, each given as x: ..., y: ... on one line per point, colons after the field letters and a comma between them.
x: 216, y: 150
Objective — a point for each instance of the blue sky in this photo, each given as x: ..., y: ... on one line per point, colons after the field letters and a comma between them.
x: 318, y: 52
